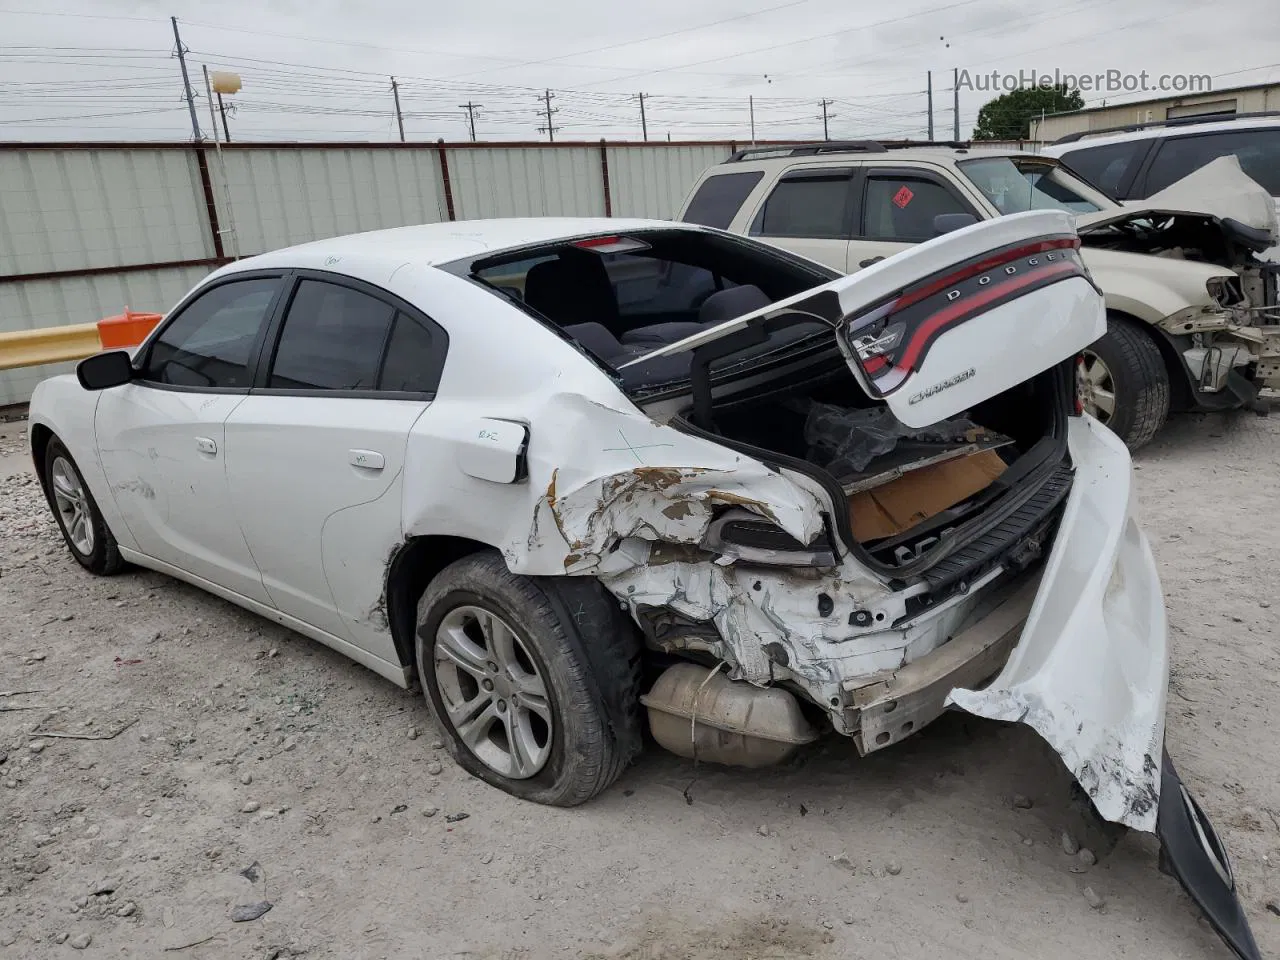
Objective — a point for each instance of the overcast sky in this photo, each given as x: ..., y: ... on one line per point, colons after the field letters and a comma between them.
x: 319, y: 69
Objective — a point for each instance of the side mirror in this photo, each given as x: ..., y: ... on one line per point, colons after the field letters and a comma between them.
x: 105, y: 370
x: 946, y: 222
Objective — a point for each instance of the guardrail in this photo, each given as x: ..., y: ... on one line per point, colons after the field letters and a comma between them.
x: 30, y: 348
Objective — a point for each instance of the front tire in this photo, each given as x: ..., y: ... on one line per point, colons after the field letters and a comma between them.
x: 1126, y: 382
x: 83, y: 528
x: 534, y: 680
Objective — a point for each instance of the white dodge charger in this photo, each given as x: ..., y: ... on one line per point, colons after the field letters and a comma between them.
x: 542, y: 466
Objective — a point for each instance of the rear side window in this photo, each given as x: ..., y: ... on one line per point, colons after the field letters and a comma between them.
x: 812, y: 207
x: 338, y: 338
x: 1257, y: 150
x: 210, y: 342
x: 903, y: 208
x: 1106, y: 166
x: 719, y: 198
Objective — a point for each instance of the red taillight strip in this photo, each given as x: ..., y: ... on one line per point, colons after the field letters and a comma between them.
x: 973, y: 269
x: 924, y: 333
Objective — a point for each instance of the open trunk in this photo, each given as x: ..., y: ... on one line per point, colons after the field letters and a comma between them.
x: 941, y: 504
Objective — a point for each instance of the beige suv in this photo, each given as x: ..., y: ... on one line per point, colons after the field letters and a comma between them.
x: 1189, y: 302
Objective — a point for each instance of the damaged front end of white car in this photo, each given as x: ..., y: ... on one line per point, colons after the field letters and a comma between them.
x: 926, y: 523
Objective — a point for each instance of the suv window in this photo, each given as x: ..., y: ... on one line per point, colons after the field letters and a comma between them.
x: 1016, y: 186
x: 902, y: 208
x: 338, y: 338
x: 718, y: 199
x: 811, y: 207
x: 209, y: 344
x: 1106, y: 165
x: 1257, y: 150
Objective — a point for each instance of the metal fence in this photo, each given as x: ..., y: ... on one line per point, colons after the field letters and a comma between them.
x: 90, y: 229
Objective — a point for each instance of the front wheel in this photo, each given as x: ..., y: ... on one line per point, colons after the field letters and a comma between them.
x: 81, y: 522
x: 1126, y: 382
x: 534, y: 680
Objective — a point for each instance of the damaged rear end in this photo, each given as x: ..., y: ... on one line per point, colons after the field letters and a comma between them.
x: 974, y: 544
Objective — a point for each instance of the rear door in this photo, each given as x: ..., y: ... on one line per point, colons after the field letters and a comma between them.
x: 810, y: 211
x: 953, y: 321
x: 898, y: 208
x: 315, y: 453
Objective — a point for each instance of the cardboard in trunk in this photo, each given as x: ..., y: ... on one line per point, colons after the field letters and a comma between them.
x: 914, y: 497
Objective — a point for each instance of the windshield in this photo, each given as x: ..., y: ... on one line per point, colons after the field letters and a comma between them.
x: 1021, y: 184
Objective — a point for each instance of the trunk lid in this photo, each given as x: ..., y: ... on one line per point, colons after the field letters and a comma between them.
x: 946, y: 324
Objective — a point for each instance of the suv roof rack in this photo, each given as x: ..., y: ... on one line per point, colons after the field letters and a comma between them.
x: 1173, y: 122
x: 841, y: 146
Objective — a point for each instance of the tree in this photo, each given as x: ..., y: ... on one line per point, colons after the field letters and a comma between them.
x: 1009, y: 116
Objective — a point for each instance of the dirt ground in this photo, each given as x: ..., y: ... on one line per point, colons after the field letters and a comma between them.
x: 248, y: 750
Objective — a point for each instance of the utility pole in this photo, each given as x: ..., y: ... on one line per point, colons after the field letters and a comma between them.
x: 549, y: 129
x: 186, y: 80
x: 644, y: 127
x: 751, y: 109
x: 824, y: 104
x: 208, y: 90
x: 395, y: 93
x: 471, y: 116
x: 226, y: 134
x: 930, y: 106
x: 955, y: 90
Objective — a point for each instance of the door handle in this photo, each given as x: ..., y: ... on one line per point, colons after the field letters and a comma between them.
x: 366, y: 459
x: 869, y: 261
x: 205, y: 445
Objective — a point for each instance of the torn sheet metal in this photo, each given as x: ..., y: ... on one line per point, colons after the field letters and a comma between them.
x: 1220, y: 189
x: 1090, y: 671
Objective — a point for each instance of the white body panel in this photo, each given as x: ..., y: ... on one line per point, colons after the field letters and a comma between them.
x: 164, y: 456
x: 606, y: 485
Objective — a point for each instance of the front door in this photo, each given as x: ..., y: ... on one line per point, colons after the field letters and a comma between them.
x: 161, y: 440
x: 315, y: 455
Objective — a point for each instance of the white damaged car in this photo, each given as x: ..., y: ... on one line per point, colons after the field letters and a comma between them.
x: 516, y: 459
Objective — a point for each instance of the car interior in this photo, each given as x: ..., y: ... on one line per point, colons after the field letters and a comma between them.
x: 666, y: 286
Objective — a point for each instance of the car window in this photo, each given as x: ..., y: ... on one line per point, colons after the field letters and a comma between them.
x: 332, y: 339
x: 1257, y: 150
x: 811, y: 207
x: 415, y: 355
x: 1107, y: 165
x: 1022, y: 185
x: 902, y: 208
x: 718, y: 198
x: 209, y: 344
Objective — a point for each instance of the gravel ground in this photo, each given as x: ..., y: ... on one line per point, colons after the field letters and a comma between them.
x: 238, y: 764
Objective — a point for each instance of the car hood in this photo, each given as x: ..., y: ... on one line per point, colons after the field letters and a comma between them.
x: 938, y: 328
x: 1220, y: 190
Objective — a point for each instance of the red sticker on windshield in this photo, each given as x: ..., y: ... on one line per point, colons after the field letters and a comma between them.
x: 902, y: 197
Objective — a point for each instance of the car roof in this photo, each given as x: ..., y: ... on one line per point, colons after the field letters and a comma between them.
x: 435, y: 243
x: 837, y: 158
x: 1180, y: 129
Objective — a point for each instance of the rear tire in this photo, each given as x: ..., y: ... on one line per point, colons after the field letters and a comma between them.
x: 83, y: 528
x: 1125, y: 372
x: 534, y: 681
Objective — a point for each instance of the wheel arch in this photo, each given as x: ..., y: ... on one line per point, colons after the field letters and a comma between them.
x: 41, y: 434
x: 412, y: 567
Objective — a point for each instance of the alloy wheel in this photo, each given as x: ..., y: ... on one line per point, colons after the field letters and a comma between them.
x: 1099, y: 388
x: 73, y: 505
x: 494, y: 696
